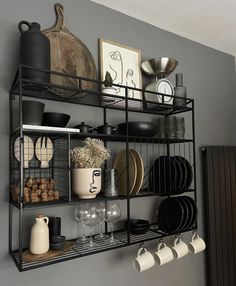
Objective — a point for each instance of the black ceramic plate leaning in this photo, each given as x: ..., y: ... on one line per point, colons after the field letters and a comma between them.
x: 194, y: 212
x: 164, y: 175
x: 170, y: 215
x: 187, y: 214
x: 189, y: 173
x: 177, y: 188
x: 184, y: 173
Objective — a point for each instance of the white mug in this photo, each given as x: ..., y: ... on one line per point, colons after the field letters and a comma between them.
x: 163, y: 254
x: 197, y: 244
x: 144, y: 260
x: 180, y: 248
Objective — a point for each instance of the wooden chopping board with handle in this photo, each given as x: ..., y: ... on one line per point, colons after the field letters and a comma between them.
x: 69, y: 54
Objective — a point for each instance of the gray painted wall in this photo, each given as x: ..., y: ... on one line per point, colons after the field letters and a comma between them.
x: 210, y: 78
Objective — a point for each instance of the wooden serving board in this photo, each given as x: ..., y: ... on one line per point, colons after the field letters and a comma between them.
x: 69, y: 54
x: 29, y: 257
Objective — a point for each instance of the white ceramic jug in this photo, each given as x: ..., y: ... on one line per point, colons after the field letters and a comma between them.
x: 39, y: 239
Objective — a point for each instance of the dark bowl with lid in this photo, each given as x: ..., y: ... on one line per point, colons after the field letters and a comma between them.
x: 83, y: 127
x: 106, y: 129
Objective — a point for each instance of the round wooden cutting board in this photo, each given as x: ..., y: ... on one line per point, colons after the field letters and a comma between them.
x: 69, y: 54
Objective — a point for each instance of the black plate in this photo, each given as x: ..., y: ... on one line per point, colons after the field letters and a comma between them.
x: 170, y: 215
x: 187, y: 214
x: 184, y: 172
x: 189, y: 173
x: 138, y: 226
x: 164, y: 175
x: 194, y: 211
x: 177, y: 189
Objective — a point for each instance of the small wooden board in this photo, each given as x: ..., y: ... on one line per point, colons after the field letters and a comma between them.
x: 29, y: 257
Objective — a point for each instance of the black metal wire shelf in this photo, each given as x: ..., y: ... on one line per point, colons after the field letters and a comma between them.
x: 78, y: 250
x: 75, y: 200
x: 93, y: 97
x: 77, y: 94
x: 104, y: 137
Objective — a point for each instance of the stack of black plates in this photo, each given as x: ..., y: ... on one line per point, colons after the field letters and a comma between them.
x: 177, y: 214
x: 170, y: 175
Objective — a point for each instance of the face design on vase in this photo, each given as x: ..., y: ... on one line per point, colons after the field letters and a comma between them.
x: 95, y: 181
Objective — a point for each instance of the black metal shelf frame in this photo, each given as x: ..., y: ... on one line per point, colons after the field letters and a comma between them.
x: 78, y: 251
x: 26, y: 88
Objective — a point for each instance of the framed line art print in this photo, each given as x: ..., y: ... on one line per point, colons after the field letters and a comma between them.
x: 124, y: 65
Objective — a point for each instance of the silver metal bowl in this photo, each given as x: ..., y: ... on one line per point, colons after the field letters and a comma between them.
x: 160, y: 67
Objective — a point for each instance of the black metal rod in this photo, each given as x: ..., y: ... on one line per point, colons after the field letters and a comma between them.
x: 69, y: 168
x: 93, y: 81
x: 21, y: 169
x: 127, y: 162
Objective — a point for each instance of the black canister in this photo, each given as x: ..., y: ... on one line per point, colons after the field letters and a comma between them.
x: 54, y: 226
x: 34, y: 51
x: 32, y: 112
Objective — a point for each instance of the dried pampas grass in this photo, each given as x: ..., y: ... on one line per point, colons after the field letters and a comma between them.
x: 92, y: 155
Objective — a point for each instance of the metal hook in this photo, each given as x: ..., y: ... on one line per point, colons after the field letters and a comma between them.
x: 161, y: 240
x: 194, y: 232
x: 177, y: 235
x: 141, y: 245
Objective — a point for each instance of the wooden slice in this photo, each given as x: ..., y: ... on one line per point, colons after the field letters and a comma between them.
x: 69, y: 54
x: 120, y: 166
x: 140, y: 172
x: 29, y: 257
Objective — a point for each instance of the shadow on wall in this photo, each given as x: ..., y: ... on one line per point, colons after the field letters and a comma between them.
x: 10, y: 62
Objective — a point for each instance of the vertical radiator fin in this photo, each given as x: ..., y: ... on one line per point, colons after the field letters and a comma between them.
x: 219, y: 164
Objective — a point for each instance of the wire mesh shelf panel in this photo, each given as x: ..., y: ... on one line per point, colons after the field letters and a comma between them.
x: 45, y: 169
x: 67, y: 255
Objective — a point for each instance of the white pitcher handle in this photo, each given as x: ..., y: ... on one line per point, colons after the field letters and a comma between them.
x: 47, y: 220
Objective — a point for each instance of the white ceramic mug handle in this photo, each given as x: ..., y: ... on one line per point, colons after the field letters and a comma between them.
x: 177, y: 240
x: 161, y: 245
x: 140, y: 250
x: 194, y: 236
x: 47, y: 220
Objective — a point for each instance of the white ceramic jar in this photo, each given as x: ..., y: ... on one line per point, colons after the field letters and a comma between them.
x: 39, y: 239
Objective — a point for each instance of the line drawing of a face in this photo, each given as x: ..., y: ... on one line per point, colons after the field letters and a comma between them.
x: 95, y: 181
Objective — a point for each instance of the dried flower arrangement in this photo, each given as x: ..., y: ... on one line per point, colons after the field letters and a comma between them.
x: 92, y: 155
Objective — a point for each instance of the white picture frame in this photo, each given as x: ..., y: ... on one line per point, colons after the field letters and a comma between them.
x: 124, y: 65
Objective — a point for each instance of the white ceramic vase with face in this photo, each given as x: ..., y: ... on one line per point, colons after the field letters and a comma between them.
x: 86, y: 182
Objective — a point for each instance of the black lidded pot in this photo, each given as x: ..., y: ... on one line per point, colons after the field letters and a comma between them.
x: 34, y: 52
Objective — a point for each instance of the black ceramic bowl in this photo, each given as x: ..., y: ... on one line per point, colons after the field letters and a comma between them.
x: 55, y: 119
x: 139, y: 226
x: 57, y: 246
x: 58, y: 238
x: 138, y: 128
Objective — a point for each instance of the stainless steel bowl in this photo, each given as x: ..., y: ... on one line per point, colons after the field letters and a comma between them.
x: 160, y: 67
